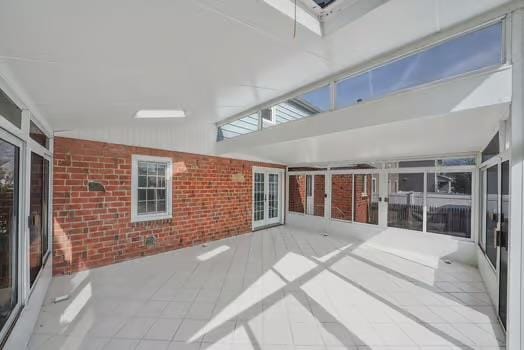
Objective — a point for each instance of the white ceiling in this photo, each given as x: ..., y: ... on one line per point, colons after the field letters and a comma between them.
x: 93, y: 64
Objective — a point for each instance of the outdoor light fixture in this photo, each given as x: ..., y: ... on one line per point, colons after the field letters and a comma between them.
x: 160, y: 113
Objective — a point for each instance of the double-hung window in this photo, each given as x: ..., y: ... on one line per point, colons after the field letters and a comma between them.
x: 151, y: 188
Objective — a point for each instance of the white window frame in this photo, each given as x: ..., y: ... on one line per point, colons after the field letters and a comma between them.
x: 168, y: 214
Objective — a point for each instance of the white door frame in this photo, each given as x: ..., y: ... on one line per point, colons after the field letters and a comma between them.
x: 266, y: 221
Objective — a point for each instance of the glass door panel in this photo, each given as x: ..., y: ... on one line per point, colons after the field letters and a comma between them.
x: 319, y: 193
x: 504, y: 236
x: 342, y: 197
x: 310, y: 205
x: 273, y: 194
x: 258, y: 198
x: 366, y: 198
x: 406, y: 200
x: 38, y: 209
x: 9, y: 182
x: 491, y: 212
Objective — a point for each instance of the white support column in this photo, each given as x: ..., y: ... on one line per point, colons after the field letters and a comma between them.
x: 515, y: 326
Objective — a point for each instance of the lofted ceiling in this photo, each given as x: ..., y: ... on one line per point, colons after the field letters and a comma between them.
x: 93, y: 64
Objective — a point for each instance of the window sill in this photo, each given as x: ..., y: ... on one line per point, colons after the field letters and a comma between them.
x: 146, y: 218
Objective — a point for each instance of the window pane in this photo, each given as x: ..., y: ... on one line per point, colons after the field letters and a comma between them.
x: 161, y: 194
x: 37, y: 215
x: 38, y: 135
x: 151, y: 168
x: 311, y: 103
x: 142, y: 208
x: 9, y: 177
x: 492, y: 149
x: 353, y: 90
x: 416, y: 163
x: 319, y: 194
x: 151, y: 206
x: 448, y: 203
x: 151, y: 181
x: 319, y: 99
x: 472, y: 51
x: 239, y: 127
x: 151, y: 195
x: 457, y: 162
x: 297, y: 193
x: 142, y: 168
x: 406, y: 200
x: 142, y: 181
x: 366, y: 200
x: 492, y: 192
x: 161, y: 181
x: 342, y: 197
x: 9, y: 110
x: 467, y: 53
x: 142, y: 195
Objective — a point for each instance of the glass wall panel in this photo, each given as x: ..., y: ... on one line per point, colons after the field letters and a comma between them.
x: 297, y: 193
x: 303, y: 106
x: 319, y: 194
x: 406, y: 200
x: 38, y: 214
x: 353, y: 90
x: 342, y: 197
x: 504, y: 229
x: 239, y: 127
x: 10, y: 111
x: 492, y: 149
x: 38, y: 135
x: 366, y: 198
x: 491, y: 212
x: 448, y: 203
x: 9, y: 182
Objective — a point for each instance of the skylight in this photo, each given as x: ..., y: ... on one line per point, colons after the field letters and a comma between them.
x: 323, y: 3
x: 160, y: 113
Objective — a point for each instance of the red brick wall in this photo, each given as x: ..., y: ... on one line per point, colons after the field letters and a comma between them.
x: 341, y: 197
x: 211, y: 200
x: 318, y: 195
x: 297, y: 193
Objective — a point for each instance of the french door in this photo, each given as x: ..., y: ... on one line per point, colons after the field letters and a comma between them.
x: 267, y: 196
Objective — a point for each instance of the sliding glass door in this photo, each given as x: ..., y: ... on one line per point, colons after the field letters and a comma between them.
x: 9, y: 232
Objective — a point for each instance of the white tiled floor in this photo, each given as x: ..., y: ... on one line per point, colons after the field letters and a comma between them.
x: 280, y: 288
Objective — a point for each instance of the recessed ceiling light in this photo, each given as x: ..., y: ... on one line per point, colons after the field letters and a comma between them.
x: 160, y: 113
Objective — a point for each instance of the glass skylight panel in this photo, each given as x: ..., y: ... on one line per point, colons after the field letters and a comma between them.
x: 323, y: 3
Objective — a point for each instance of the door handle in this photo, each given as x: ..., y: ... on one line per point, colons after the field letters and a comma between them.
x: 497, y: 236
